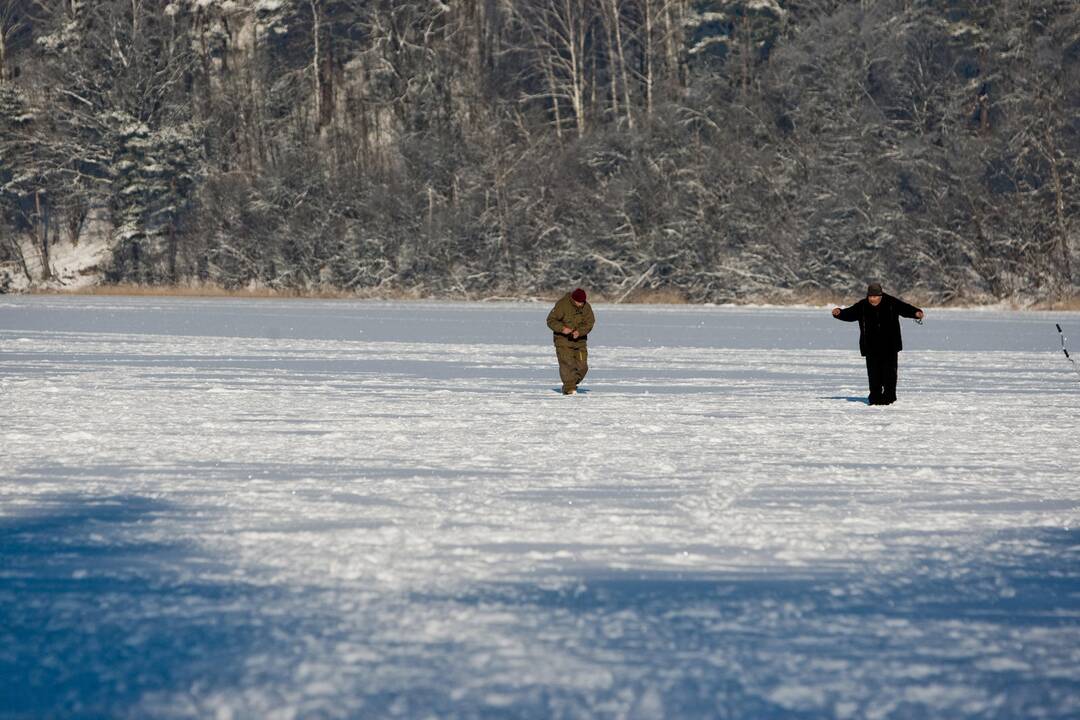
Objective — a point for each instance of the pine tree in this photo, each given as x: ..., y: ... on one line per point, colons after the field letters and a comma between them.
x: 31, y: 177
x: 153, y: 176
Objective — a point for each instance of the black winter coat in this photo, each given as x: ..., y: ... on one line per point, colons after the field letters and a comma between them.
x: 879, y: 327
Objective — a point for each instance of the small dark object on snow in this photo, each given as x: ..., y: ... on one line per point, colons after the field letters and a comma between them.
x: 1065, y: 349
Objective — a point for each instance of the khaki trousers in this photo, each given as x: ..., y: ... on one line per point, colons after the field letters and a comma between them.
x: 573, y: 364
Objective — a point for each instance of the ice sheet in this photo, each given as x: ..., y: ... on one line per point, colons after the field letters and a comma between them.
x: 226, y: 508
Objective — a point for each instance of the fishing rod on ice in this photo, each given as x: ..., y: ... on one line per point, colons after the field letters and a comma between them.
x: 1065, y: 348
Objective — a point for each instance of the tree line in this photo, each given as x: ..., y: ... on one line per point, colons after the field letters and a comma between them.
x: 702, y: 149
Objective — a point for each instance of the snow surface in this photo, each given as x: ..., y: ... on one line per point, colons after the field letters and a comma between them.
x: 278, y: 509
x: 74, y: 265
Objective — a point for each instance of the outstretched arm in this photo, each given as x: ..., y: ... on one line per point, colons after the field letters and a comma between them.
x: 848, y: 314
x: 908, y: 311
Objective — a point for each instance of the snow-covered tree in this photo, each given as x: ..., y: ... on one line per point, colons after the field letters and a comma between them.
x: 720, y: 148
x: 15, y: 23
x: 738, y: 34
x: 15, y: 119
x: 120, y: 71
x: 32, y: 178
x: 153, y: 175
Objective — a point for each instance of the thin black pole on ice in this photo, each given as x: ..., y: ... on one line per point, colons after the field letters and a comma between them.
x: 1065, y: 349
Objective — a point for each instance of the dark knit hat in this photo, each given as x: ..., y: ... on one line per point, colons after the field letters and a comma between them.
x: 578, y: 295
x: 873, y: 289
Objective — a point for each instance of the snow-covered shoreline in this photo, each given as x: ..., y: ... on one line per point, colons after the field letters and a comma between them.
x: 90, y: 287
x: 346, y: 509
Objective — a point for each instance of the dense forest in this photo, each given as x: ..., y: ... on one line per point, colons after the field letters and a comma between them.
x: 694, y: 149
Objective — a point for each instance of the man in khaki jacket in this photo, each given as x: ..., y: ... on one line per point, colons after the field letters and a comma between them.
x: 571, y: 320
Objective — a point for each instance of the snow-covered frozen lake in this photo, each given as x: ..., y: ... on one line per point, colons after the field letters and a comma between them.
x: 278, y: 509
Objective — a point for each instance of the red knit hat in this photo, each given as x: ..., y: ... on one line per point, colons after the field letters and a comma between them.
x: 578, y: 295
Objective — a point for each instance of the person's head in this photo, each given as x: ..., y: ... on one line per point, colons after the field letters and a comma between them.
x: 874, y: 293
x: 578, y: 296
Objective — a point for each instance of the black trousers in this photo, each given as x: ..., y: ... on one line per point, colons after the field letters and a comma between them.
x: 881, y: 372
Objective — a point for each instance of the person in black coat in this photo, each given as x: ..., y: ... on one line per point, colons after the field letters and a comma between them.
x: 879, y: 338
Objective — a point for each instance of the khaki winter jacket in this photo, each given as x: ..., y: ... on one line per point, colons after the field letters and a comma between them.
x: 567, y: 314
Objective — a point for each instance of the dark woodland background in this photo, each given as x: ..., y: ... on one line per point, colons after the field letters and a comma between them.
x: 692, y: 149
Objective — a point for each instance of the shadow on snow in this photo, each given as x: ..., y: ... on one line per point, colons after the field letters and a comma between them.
x: 717, y: 646
x: 860, y: 399
x: 94, y: 616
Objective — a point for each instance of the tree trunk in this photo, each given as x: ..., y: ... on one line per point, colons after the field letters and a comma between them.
x: 327, y: 102
x: 673, y: 18
x: 575, y: 41
x: 612, y: 75
x: 648, y: 50
x: 1050, y: 152
x: 42, y: 228
x: 316, y: 64
x: 554, y: 98
x: 745, y: 22
x: 616, y: 21
x: 3, y: 54
x: 16, y: 250
x: 172, y: 240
